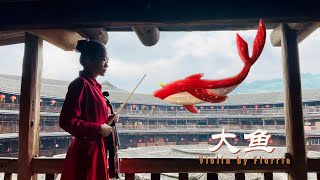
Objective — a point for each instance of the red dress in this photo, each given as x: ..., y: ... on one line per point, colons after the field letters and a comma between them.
x: 83, y: 112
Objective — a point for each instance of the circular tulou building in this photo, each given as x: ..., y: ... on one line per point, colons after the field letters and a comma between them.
x: 152, y: 128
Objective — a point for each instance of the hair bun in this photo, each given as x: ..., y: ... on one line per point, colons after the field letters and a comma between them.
x: 82, y: 45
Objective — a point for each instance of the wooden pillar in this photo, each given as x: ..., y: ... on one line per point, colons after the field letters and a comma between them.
x: 293, y: 106
x: 129, y: 177
x: 29, y: 105
x: 240, y: 176
x: 268, y: 176
x: 212, y: 176
x: 183, y: 176
x: 50, y: 177
x: 8, y: 176
x: 155, y: 176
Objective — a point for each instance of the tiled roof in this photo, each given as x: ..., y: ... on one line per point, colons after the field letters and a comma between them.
x: 57, y: 89
x: 49, y: 87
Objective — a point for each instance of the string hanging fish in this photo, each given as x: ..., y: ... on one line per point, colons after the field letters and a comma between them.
x: 194, y: 90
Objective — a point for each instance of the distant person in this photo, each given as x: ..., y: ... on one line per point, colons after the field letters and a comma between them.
x: 84, y: 115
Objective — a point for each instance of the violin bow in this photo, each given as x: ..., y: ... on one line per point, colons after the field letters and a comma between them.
x: 125, y: 102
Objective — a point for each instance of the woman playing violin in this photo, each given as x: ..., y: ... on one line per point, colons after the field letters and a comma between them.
x: 84, y: 115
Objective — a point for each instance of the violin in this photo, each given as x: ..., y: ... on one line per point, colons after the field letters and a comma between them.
x: 112, y: 142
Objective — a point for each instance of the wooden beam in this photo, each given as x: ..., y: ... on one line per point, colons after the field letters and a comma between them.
x: 295, y: 139
x: 64, y: 39
x: 208, y: 25
x: 11, y: 37
x: 148, y: 35
x: 44, y: 165
x: 16, y: 0
x: 303, y: 31
x: 147, y: 165
x: 313, y: 165
x: 142, y: 165
x: 8, y: 165
x: 99, y: 14
x: 29, y: 118
x: 47, y: 165
x: 97, y: 34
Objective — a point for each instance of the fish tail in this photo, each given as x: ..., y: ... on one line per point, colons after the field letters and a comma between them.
x: 258, y: 46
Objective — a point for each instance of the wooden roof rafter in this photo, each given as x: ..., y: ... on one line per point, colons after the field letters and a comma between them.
x: 62, y: 38
x: 303, y: 31
x: 67, y: 39
x: 231, y: 15
x: 148, y: 35
x: 11, y: 37
x: 148, y: 18
x: 98, y: 34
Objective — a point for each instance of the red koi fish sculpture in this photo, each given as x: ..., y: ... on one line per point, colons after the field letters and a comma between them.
x: 194, y: 90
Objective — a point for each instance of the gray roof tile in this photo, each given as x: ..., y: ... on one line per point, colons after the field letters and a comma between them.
x: 57, y: 89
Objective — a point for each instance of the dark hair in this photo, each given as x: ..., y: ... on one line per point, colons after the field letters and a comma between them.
x: 90, y: 49
x: 105, y: 93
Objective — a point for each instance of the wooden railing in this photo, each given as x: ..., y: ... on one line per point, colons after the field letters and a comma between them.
x: 228, y: 127
x: 156, y: 166
x: 15, y: 128
x: 56, y: 128
x: 267, y: 112
x: 12, y: 106
x: 252, y: 112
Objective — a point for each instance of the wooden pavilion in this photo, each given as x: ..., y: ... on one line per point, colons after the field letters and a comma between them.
x: 62, y: 23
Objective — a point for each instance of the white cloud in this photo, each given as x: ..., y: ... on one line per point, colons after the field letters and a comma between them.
x: 175, y: 56
x: 11, y: 59
x: 309, y: 54
x: 59, y: 64
x: 127, y: 75
x: 202, y: 44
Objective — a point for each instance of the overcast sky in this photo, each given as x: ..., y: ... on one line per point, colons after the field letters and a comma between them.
x: 175, y: 56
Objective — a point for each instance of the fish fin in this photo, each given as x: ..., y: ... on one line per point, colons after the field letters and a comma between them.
x: 206, y: 95
x: 195, y: 76
x: 191, y: 108
x: 162, y: 84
